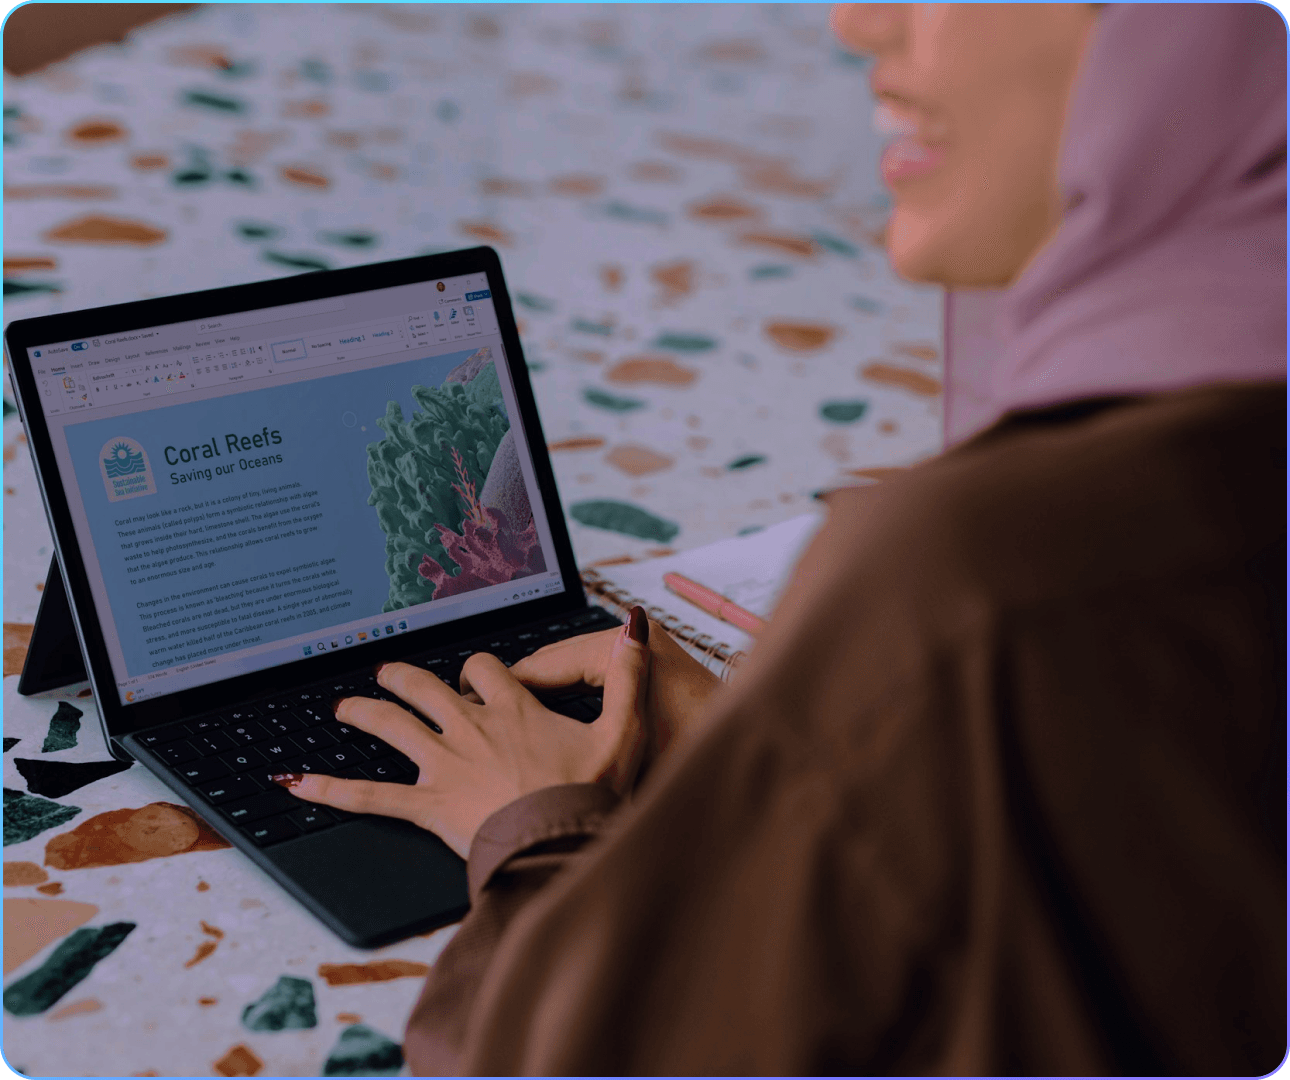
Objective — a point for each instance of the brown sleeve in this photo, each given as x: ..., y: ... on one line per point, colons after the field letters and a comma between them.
x: 514, y: 854
x: 998, y: 793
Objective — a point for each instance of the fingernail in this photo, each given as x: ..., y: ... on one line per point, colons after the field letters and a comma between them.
x: 380, y: 667
x: 335, y: 706
x: 638, y: 625
x: 287, y: 780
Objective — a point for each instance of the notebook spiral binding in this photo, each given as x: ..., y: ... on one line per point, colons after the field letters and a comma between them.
x: 718, y: 656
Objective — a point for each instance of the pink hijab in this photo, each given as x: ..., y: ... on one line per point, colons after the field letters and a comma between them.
x: 1169, y: 269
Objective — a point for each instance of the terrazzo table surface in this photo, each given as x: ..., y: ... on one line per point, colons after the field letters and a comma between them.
x: 686, y: 205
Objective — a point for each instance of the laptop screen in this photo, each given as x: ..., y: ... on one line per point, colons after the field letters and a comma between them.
x: 258, y: 488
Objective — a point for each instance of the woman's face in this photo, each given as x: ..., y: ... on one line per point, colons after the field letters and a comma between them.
x: 978, y: 93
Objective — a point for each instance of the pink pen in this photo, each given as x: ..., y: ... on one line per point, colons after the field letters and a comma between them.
x: 714, y: 603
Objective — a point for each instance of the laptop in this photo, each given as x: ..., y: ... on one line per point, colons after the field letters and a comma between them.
x: 259, y: 493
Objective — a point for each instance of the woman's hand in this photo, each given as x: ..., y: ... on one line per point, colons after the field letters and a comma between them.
x: 679, y: 692
x: 498, y: 741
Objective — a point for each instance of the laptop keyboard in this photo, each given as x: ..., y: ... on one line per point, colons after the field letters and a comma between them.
x: 228, y: 758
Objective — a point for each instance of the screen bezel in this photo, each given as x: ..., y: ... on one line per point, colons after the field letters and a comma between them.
x: 122, y: 719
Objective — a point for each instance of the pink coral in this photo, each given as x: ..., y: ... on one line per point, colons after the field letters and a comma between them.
x: 488, y: 554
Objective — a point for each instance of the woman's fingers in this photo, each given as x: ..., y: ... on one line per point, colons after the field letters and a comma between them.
x: 568, y: 663
x: 357, y: 796
x: 622, y: 716
x: 427, y: 693
x: 390, y: 723
x: 488, y: 679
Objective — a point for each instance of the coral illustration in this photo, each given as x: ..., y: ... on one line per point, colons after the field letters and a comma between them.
x: 466, y: 489
x: 423, y: 467
x: 488, y: 554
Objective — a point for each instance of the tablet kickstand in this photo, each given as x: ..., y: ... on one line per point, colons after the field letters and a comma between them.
x: 54, y: 655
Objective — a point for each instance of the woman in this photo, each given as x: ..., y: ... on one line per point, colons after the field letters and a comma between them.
x: 1002, y: 789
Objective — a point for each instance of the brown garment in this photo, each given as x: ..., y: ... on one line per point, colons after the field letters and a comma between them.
x: 1002, y: 790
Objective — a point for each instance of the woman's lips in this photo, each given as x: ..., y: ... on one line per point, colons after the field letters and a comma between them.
x: 909, y: 154
x: 907, y: 158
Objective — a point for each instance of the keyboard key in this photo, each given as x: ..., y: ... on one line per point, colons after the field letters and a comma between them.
x: 277, y: 749
x: 164, y: 735
x: 310, y: 763
x: 243, y: 760
x: 228, y: 789
x: 372, y: 747
x: 274, y: 801
x: 343, y: 756
x: 246, y: 733
x: 354, y: 772
x: 177, y: 753
x: 213, y: 742
x: 273, y: 830
x: 243, y: 713
x: 384, y: 770
x: 314, y: 739
x: 206, y: 723
x: 314, y: 715
x: 273, y: 708
x: 311, y: 818
x: 283, y: 724
x: 203, y: 769
x: 344, y: 732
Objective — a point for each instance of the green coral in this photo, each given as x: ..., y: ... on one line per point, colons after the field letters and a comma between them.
x: 412, y: 474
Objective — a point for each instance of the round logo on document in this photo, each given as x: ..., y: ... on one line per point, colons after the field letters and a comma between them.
x: 126, y: 473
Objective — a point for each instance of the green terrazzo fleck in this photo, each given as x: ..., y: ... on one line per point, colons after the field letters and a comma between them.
x: 536, y: 366
x: 746, y: 462
x: 447, y: 110
x: 257, y: 230
x: 67, y: 965
x: 55, y: 779
x: 316, y: 71
x: 240, y: 177
x: 762, y: 273
x: 63, y: 726
x: 851, y: 59
x: 26, y: 816
x: 639, y: 215
x: 206, y: 100
x: 623, y: 518
x: 678, y: 342
x: 748, y: 530
x: 843, y: 412
x: 837, y: 245
x: 9, y: 410
x: 360, y: 1051
x: 349, y: 239
x: 535, y: 303
x: 586, y: 326
x: 868, y: 306
x: 296, y: 262
x: 29, y: 288
x: 377, y: 82
x: 237, y: 69
x: 592, y: 396
x: 287, y: 1005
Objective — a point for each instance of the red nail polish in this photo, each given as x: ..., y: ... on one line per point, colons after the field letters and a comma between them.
x: 287, y: 780
x: 638, y: 625
x: 335, y: 706
x: 379, y: 667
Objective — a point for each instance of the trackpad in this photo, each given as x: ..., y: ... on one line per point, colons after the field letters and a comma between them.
x: 375, y: 880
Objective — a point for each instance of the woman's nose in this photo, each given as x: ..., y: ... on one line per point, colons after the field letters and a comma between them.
x: 869, y: 28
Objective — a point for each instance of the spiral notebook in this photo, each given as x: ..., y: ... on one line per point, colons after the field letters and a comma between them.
x: 750, y: 570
